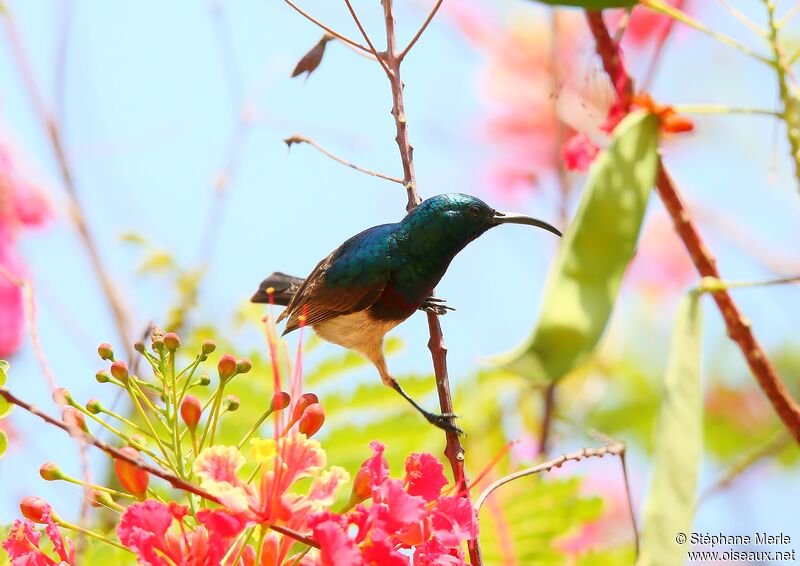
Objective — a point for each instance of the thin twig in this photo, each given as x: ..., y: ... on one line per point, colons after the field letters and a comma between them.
x: 668, y: 10
x: 547, y: 417
x: 661, y: 42
x: 739, y: 328
x: 421, y: 30
x: 773, y: 446
x: 367, y: 39
x: 790, y: 13
x: 26, y: 286
x: 614, y: 448
x: 175, y: 481
x: 743, y: 18
x: 297, y: 138
x: 334, y: 33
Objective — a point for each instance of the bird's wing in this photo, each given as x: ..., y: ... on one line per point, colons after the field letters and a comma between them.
x: 349, y: 280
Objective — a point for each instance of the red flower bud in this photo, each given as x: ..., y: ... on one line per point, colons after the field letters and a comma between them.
x: 34, y: 508
x: 62, y: 396
x: 280, y: 401
x: 134, y: 479
x: 172, y: 341
x: 361, y: 488
x: 50, y: 472
x: 94, y: 406
x: 244, y: 365
x: 312, y: 420
x: 191, y: 411
x: 230, y: 403
x: 226, y: 367
x: 74, y: 419
x: 119, y: 369
x: 99, y: 498
x: 102, y: 376
x: 304, y: 401
x: 105, y: 351
x: 208, y: 347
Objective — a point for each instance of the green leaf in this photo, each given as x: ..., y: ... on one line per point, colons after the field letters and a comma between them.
x: 585, y: 277
x: 669, y: 508
x: 4, y: 367
x: 592, y: 4
x: 3, y: 443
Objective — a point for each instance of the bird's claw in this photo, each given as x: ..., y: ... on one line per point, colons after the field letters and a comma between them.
x: 443, y: 421
x: 436, y: 306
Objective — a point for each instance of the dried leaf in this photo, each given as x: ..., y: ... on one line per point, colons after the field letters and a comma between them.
x: 311, y: 60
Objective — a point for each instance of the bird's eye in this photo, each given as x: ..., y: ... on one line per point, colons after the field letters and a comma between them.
x: 474, y: 211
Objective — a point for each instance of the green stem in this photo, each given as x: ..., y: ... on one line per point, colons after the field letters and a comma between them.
x: 97, y: 487
x: 790, y: 114
x: 87, y: 532
x: 144, y: 416
x: 261, y: 533
x: 721, y: 109
x: 684, y: 18
x: 255, y: 427
x: 211, y: 421
x: 122, y: 435
x: 176, y: 441
x: 712, y: 284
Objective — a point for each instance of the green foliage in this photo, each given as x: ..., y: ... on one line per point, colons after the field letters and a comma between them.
x: 530, y: 515
x: 5, y: 406
x: 670, y: 504
x: 585, y: 277
x: 592, y: 4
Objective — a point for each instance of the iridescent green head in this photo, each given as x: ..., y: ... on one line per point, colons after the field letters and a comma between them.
x: 466, y: 216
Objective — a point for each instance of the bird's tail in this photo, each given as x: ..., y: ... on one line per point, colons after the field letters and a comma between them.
x: 283, y: 288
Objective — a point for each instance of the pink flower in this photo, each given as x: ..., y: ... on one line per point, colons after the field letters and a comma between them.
x: 22, y: 543
x: 407, y: 514
x: 21, y: 206
x: 646, y: 26
x: 535, y: 98
x: 579, y: 152
x: 148, y: 529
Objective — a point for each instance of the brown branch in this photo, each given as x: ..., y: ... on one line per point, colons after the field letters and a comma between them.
x: 76, y: 210
x: 297, y: 138
x: 454, y: 451
x: 739, y: 328
x: 421, y: 30
x: 613, y: 448
x: 547, y: 418
x: 367, y: 39
x: 334, y: 33
x: 26, y: 285
x: 175, y: 481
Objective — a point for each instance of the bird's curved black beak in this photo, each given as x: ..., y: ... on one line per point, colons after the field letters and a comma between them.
x: 511, y: 218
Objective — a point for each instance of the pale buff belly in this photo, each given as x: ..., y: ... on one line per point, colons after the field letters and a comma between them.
x: 356, y: 331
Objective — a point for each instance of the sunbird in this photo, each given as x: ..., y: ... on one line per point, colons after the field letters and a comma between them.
x: 381, y: 276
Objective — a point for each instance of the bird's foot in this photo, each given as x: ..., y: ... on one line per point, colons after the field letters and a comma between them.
x: 436, y: 306
x: 443, y: 421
